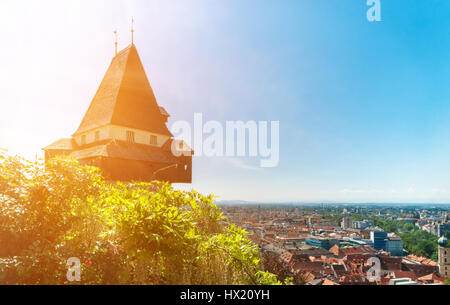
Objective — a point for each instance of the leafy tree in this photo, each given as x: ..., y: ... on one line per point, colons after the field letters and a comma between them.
x: 414, y: 240
x: 447, y: 234
x: 134, y: 233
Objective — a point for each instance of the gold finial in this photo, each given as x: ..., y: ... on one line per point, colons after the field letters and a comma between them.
x: 132, y: 30
x: 115, y: 43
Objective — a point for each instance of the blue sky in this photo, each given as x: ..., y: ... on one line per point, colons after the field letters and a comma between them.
x: 364, y: 108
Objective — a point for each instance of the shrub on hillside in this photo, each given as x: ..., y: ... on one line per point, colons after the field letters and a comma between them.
x: 123, y: 233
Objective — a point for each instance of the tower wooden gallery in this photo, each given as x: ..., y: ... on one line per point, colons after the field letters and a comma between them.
x: 124, y: 130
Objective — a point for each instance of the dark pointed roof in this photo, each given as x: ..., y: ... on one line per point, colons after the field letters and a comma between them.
x: 125, y: 98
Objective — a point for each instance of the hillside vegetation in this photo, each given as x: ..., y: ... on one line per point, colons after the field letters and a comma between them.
x: 122, y: 233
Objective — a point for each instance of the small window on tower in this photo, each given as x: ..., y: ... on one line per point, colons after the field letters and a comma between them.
x: 97, y: 136
x: 130, y: 136
x: 153, y: 140
x: 83, y: 139
x: 180, y: 145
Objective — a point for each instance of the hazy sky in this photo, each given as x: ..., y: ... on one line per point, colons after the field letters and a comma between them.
x: 364, y: 108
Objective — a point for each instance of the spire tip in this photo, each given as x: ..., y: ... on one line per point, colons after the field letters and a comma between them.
x: 115, y: 43
x: 132, y: 30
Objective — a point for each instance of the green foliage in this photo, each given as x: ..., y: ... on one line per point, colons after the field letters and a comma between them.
x: 267, y: 278
x: 447, y: 234
x: 138, y: 233
x: 414, y: 240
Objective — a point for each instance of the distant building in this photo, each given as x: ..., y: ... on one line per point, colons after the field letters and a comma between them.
x: 435, y: 229
x: 420, y: 223
x: 409, y: 220
x: 359, y: 250
x: 362, y: 224
x: 318, y: 242
x: 347, y: 223
x: 378, y: 237
x: 304, y: 250
x: 444, y: 227
x: 394, y: 245
x: 444, y: 256
x: 357, y: 241
x: 402, y: 282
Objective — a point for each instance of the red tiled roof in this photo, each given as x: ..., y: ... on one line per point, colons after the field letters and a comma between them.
x: 335, y: 250
x: 354, y: 250
x: 432, y: 278
x: 316, y: 268
x: 358, y: 258
x: 403, y: 274
x: 327, y: 282
x: 348, y: 251
x: 308, y: 277
x: 308, y: 266
x: 391, y: 263
x: 421, y: 259
x: 286, y: 256
x: 419, y: 269
x: 348, y: 279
